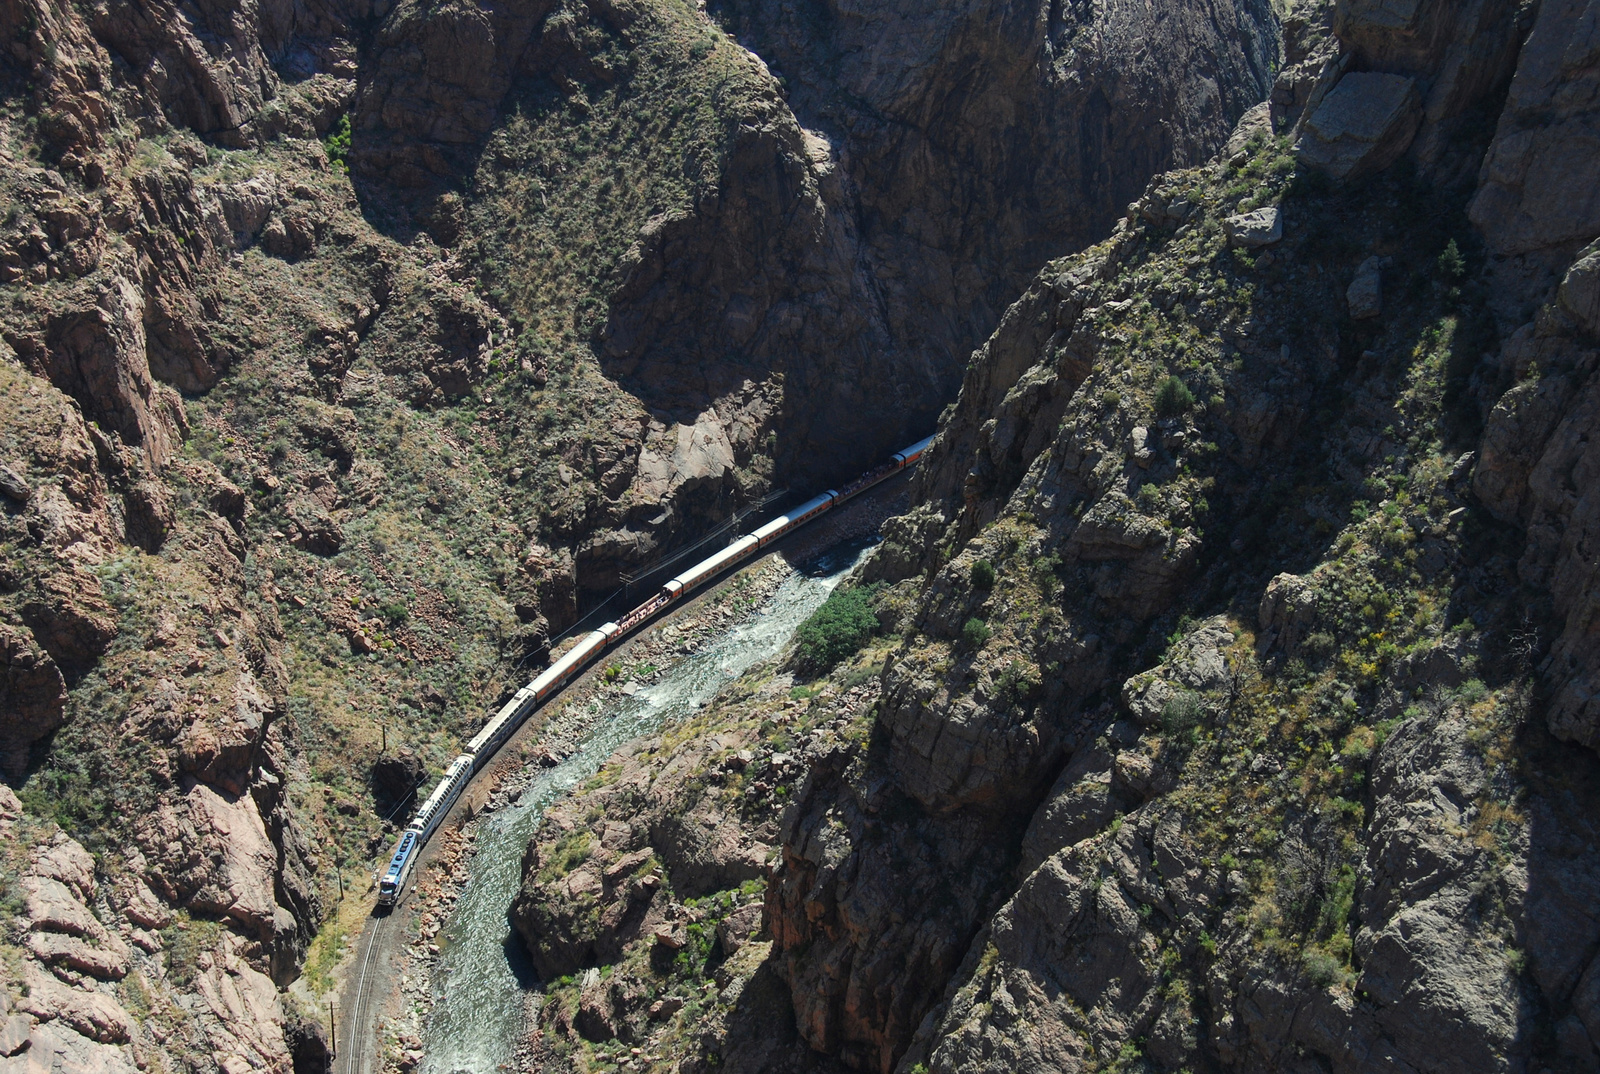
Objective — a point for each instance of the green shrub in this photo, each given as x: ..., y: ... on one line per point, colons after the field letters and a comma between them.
x: 570, y: 851
x: 983, y: 575
x: 1180, y: 715
x: 837, y: 629
x: 861, y: 675
x: 1320, y: 645
x: 337, y: 144
x: 975, y: 633
x: 1173, y: 398
x: 1325, y: 970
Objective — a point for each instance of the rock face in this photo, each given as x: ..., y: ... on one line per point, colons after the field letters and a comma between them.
x: 105, y: 263
x: 1363, y: 125
x: 1459, y: 56
x: 1535, y: 203
x: 71, y: 1015
x: 834, y: 219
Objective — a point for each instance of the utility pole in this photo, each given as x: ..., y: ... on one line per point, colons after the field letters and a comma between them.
x: 333, y: 1027
x: 385, y: 737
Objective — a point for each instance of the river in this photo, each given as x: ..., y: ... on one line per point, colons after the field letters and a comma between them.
x: 483, y: 975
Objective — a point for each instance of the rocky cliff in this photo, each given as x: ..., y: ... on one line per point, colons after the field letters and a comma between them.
x: 1235, y: 708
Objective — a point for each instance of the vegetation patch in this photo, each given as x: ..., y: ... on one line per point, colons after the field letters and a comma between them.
x: 837, y: 629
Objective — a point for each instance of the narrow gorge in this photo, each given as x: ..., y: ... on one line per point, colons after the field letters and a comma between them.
x: 1218, y: 694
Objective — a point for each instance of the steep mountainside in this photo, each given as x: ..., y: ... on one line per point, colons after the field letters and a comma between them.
x: 347, y: 348
x: 978, y: 140
x: 639, y: 192
x: 1234, y: 702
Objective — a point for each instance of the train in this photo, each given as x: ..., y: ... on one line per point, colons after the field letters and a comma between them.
x: 504, y: 723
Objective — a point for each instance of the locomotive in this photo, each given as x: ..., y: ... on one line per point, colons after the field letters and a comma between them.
x: 504, y: 723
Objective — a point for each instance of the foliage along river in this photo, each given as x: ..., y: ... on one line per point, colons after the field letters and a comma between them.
x: 483, y: 973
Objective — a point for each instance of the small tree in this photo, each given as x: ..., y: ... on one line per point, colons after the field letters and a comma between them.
x: 1452, y: 266
x: 1173, y: 398
x: 983, y: 574
x: 975, y: 633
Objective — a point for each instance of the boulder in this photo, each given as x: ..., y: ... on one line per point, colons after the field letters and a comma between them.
x: 291, y: 234
x: 1196, y: 663
x: 683, y: 457
x: 315, y: 530
x: 1287, y: 611
x: 10, y: 810
x: 248, y: 205
x: 96, y: 352
x: 1364, y: 297
x: 595, y: 1020
x: 219, y: 746
x: 1256, y: 120
x: 14, y: 485
x: 1258, y: 227
x: 1145, y: 696
x: 1139, y: 441
x: 737, y: 929
x: 1363, y: 125
x: 149, y: 515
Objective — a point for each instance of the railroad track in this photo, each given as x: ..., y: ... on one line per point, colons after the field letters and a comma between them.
x: 353, y: 1058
